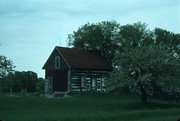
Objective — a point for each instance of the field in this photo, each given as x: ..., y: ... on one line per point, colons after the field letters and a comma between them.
x: 89, y: 107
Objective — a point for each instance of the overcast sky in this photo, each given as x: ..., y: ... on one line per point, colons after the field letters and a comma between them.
x: 30, y: 29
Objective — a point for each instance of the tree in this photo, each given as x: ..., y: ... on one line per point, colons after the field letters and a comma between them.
x: 28, y: 80
x: 31, y: 81
x: 21, y: 77
x: 139, y: 67
x: 135, y: 35
x: 169, y: 85
x: 7, y: 83
x: 169, y: 39
x: 102, y: 37
x: 40, y: 85
x: 20, y: 82
x: 6, y: 66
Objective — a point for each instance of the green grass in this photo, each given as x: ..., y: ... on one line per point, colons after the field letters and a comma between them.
x: 89, y: 107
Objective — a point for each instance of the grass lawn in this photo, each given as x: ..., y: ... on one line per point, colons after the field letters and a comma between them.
x: 89, y: 107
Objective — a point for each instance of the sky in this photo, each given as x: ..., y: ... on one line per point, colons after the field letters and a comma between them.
x: 30, y: 29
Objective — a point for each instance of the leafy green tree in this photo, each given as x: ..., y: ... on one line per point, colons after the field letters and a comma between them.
x: 135, y: 35
x: 7, y: 83
x: 11, y: 83
x: 102, y: 37
x: 21, y: 77
x: 169, y: 39
x: 31, y: 81
x: 28, y: 80
x: 138, y: 68
x: 40, y: 86
x: 169, y: 85
x: 20, y: 81
x: 6, y: 66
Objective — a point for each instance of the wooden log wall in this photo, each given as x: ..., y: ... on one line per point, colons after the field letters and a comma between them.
x: 88, y: 82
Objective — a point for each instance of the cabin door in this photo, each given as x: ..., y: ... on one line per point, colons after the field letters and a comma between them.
x: 60, y: 81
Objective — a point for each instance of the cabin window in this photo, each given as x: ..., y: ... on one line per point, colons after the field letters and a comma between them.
x: 88, y: 84
x: 83, y: 82
x: 93, y: 83
x: 98, y: 83
x: 104, y: 84
x: 57, y: 62
x: 49, y: 82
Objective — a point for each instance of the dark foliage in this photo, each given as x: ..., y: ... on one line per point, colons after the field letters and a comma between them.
x: 21, y: 82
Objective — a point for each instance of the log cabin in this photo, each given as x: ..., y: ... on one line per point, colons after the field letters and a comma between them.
x: 71, y: 69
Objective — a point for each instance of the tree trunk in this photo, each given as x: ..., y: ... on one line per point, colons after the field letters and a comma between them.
x: 143, y: 96
x: 25, y: 90
x: 11, y: 91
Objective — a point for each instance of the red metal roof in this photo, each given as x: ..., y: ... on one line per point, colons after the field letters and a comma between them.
x: 83, y: 59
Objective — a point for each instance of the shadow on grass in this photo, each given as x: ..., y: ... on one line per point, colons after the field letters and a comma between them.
x: 163, y: 105
x: 151, y: 105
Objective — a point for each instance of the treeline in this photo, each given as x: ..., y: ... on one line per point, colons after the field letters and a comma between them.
x: 24, y: 82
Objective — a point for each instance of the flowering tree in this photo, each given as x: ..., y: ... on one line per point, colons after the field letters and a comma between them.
x: 139, y: 69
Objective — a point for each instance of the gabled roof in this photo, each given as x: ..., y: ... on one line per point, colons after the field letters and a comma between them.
x: 83, y: 59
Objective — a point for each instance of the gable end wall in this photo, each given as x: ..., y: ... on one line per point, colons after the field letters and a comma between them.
x: 50, y: 64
